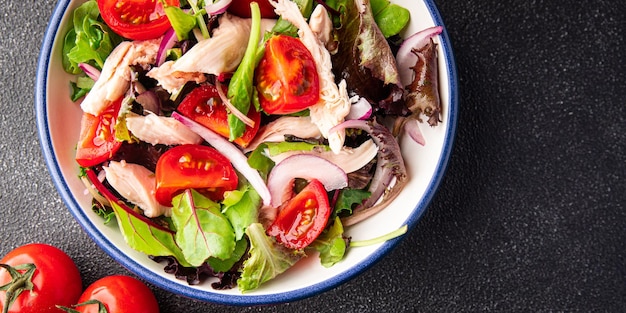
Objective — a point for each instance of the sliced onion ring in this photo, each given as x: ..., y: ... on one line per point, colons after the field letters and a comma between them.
x: 280, y: 179
x: 218, y: 7
x: 167, y: 42
x: 90, y: 70
x: 360, y: 110
x: 229, y: 150
x: 406, y: 59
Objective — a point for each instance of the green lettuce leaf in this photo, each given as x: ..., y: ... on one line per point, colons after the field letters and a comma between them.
x: 267, y: 259
x: 145, y: 237
x: 348, y: 199
x: 390, y: 18
x: 182, y: 22
x: 259, y: 161
x: 219, y: 265
x: 89, y: 41
x: 331, y: 245
x: 241, y: 208
x: 202, y: 231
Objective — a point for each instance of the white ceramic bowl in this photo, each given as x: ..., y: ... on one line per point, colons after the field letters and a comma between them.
x: 58, y: 120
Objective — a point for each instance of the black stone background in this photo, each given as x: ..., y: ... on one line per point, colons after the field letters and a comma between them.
x: 531, y: 214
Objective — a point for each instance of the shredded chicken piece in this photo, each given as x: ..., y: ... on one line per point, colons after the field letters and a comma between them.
x: 219, y: 54
x: 301, y: 127
x: 156, y: 129
x: 137, y: 184
x: 334, y: 102
x: 348, y: 159
x: 172, y: 80
x: 115, y: 77
x: 321, y: 25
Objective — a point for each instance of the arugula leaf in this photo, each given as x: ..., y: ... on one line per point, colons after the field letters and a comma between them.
x: 330, y: 244
x: 202, y: 231
x: 241, y: 86
x: 89, y: 41
x: 240, y: 206
x: 267, y: 259
x: 147, y: 238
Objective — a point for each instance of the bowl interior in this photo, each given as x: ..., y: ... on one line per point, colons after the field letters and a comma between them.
x: 59, y: 125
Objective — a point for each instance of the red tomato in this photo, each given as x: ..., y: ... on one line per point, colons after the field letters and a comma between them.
x: 56, y: 279
x: 303, y: 218
x: 119, y: 294
x: 136, y: 19
x: 286, y: 78
x: 97, y: 137
x: 241, y: 8
x: 193, y: 166
x: 204, y: 106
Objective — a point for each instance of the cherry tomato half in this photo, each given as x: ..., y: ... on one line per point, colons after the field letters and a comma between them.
x: 119, y: 294
x: 241, y: 8
x: 193, y: 166
x: 56, y: 279
x: 204, y: 106
x: 286, y: 78
x: 97, y: 141
x: 303, y: 218
x: 136, y: 19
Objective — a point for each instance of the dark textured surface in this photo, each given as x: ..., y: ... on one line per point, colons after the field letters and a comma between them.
x: 531, y: 215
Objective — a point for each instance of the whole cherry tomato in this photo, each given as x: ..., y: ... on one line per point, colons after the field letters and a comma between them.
x: 119, y: 294
x: 303, y: 218
x: 138, y: 20
x: 241, y: 8
x: 204, y: 106
x: 97, y: 141
x: 42, y: 276
x: 286, y: 77
x: 193, y: 166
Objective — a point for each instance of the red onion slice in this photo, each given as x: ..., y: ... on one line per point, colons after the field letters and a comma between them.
x: 218, y: 7
x: 412, y: 128
x: 244, y: 118
x: 280, y: 179
x: 406, y: 59
x: 360, y: 110
x: 229, y: 150
x: 90, y: 70
x: 167, y: 42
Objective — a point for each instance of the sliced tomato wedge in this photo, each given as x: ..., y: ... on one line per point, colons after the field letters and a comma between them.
x: 286, y: 77
x: 303, y: 218
x: 193, y: 167
x: 204, y: 106
x: 97, y: 141
x: 136, y: 19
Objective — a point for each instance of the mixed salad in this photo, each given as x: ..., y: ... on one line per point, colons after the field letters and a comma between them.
x: 229, y: 139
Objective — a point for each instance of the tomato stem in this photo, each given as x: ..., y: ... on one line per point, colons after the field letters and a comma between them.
x: 20, y: 281
x: 396, y: 233
x: 101, y: 307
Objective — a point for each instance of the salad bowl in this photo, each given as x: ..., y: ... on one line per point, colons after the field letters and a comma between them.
x: 58, y: 121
